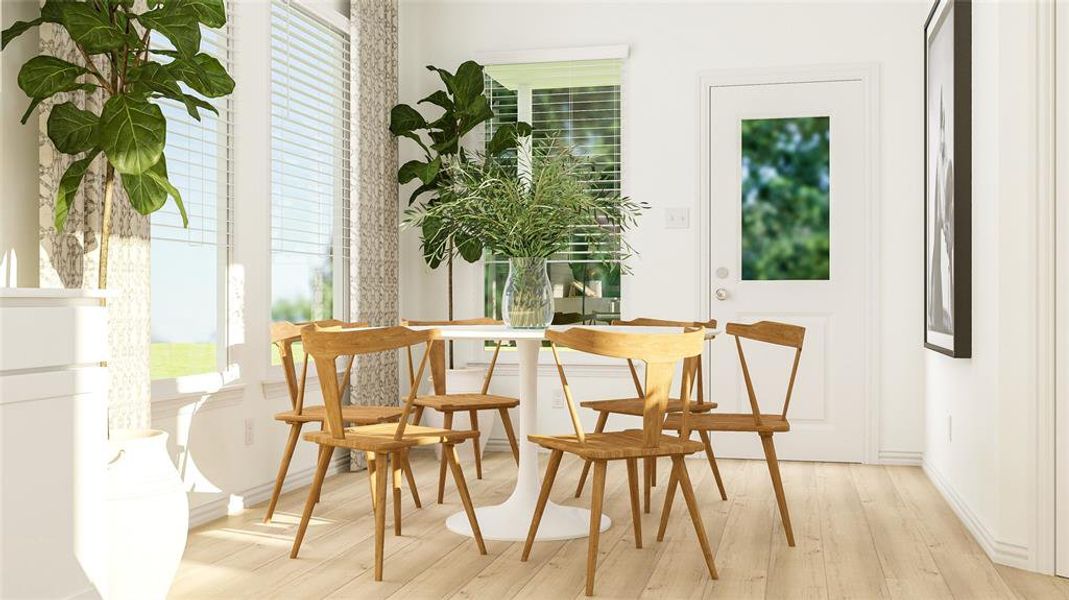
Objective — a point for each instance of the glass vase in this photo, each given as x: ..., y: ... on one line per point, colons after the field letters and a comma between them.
x: 527, y: 302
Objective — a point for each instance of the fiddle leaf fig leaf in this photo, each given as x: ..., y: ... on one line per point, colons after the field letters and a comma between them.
x: 446, y: 76
x: 507, y: 137
x: 405, y: 119
x: 478, y: 111
x: 153, y: 77
x: 72, y: 129
x: 211, y: 13
x: 90, y: 28
x: 68, y: 187
x: 425, y: 171
x: 439, y: 98
x: 204, y: 74
x: 45, y: 76
x: 178, y: 22
x: 133, y: 133
x: 423, y: 189
x: 144, y: 191
x: 415, y: 137
x: 468, y: 84
x: 17, y: 28
x: 468, y: 247
x: 148, y: 191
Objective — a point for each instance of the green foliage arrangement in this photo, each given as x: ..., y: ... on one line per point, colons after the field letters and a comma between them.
x: 117, y: 58
x: 464, y: 107
x: 536, y: 213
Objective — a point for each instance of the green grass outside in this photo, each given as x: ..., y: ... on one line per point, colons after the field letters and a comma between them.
x: 167, y: 361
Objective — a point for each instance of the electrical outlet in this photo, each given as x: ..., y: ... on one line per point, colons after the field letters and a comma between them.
x: 950, y: 429
x: 558, y: 399
x: 677, y: 218
x: 250, y: 432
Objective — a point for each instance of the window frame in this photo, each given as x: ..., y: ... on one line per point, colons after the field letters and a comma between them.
x: 226, y: 371
x: 343, y: 211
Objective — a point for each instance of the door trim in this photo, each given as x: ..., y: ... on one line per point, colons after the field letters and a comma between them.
x: 869, y: 76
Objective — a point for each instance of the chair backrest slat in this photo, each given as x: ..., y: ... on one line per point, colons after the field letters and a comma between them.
x: 325, y: 345
x: 660, y: 352
x: 652, y: 322
x: 284, y: 334
x: 438, y: 369
x: 769, y: 332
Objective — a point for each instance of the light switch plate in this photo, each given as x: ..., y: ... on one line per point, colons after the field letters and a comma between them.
x: 677, y: 218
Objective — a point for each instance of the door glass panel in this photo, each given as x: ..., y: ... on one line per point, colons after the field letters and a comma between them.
x: 785, y: 207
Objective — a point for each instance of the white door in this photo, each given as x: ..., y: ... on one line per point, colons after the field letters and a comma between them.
x: 788, y: 241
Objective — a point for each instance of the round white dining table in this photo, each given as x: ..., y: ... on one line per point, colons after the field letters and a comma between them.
x: 510, y: 520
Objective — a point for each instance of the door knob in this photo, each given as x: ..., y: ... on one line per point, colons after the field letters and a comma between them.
x: 721, y: 294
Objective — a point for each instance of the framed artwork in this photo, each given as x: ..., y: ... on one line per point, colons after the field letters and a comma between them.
x: 948, y: 178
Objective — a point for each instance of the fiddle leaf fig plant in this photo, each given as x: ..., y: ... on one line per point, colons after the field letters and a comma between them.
x: 464, y: 107
x: 120, y: 56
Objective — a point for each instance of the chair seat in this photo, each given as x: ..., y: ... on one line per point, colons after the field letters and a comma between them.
x: 360, y: 415
x: 730, y: 422
x: 379, y: 437
x: 616, y: 445
x: 634, y: 406
x: 448, y: 402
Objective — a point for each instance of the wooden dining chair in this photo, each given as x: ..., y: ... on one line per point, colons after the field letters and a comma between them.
x: 764, y: 425
x: 471, y: 403
x: 634, y: 407
x: 660, y: 353
x: 284, y: 335
x: 384, y: 443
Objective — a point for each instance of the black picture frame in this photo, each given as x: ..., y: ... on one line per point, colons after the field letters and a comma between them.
x: 948, y: 179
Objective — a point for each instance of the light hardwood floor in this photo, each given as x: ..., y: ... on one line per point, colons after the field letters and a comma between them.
x: 862, y: 532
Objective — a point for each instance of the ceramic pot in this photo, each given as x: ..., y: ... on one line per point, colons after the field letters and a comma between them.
x: 148, y: 516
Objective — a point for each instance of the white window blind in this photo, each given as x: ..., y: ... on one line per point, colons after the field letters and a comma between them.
x: 310, y: 165
x: 579, y: 102
x: 189, y: 263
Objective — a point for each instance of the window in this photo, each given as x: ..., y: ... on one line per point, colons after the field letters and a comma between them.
x: 309, y: 165
x: 785, y: 210
x: 189, y: 264
x: 578, y: 101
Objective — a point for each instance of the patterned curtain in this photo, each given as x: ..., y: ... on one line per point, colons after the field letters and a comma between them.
x: 374, y: 217
x: 70, y: 258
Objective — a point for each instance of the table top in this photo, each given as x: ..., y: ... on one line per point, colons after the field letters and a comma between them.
x: 500, y: 332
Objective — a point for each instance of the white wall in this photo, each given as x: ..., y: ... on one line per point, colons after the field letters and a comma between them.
x: 670, y: 44
x: 981, y: 443
x: 18, y: 157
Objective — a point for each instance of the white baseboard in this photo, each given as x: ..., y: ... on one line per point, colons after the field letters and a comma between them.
x: 1005, y: 553
x: 911, y: 458
x: 217, y: 508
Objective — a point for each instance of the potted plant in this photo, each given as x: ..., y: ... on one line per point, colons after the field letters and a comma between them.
x: 529, y: 214
x: 130, y: 59
x: 464, y: 107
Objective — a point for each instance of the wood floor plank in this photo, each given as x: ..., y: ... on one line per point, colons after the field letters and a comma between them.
x: 680, y: 570
x: 1031, y: 586
x: 564, y: 574
x: 908, y: 566
x: 968, y: 572
x: 798, y: 572
x: 862, y: 531
x: 743, y: 553
x: 851, y: 563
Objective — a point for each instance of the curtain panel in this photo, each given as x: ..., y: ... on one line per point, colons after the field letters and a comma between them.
x: 373, y: 212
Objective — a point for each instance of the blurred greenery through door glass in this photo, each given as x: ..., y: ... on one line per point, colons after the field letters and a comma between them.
x: 785, y: 198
